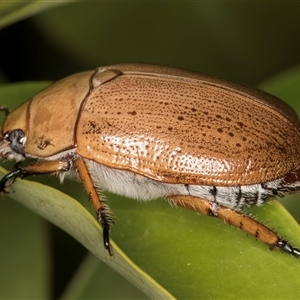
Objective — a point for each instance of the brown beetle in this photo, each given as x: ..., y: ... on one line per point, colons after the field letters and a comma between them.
x: 148, y: 131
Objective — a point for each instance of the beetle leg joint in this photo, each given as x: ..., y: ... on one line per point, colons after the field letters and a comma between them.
x: 66, y: 163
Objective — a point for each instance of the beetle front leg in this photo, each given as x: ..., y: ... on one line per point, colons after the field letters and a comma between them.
x: 38, y: 168
x: 238, y: 220
x: 103, y: 215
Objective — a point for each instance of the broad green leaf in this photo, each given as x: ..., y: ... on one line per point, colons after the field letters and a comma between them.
x: 13, y: 11
x: 70, y: 215
x: 94, y: 279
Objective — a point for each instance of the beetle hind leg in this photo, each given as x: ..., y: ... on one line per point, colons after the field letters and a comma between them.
x: 238, y: 220
x: 102, y: 210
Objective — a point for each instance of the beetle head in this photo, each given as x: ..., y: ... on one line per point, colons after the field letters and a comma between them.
x: 45, y: 125
x: 13, y: 133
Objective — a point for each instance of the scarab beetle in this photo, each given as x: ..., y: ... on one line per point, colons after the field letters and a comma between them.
x: 146, y: 131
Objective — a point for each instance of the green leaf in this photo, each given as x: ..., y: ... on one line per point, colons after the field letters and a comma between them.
x: 188, y: 255
x: 71, y: 216
x: 13, y: 11
x: 95, y: 279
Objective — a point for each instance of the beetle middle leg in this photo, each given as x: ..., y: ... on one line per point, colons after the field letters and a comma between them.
x: 237, y: 219
x: 100, y: 207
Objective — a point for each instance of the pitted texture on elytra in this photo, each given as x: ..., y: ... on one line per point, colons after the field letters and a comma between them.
x: 259, y: 96
x: 186, y: 132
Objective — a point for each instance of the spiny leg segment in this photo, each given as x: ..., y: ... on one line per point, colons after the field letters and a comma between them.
x: 236, y: 219
x: 101, y: 209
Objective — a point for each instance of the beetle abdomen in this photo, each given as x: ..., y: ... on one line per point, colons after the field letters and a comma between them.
x: 180, y: 130
x: 139, y: 187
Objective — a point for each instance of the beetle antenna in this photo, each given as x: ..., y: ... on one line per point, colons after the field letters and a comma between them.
x: 5, y: 109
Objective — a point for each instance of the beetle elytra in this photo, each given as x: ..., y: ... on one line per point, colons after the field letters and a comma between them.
x: 146, y: 131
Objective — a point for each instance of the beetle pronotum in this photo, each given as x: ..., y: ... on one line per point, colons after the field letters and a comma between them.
x: 146, y: 131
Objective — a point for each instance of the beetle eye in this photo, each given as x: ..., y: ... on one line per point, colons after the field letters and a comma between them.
x: 17, y: 140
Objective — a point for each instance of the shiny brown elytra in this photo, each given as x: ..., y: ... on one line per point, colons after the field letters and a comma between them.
x: 146, y: 131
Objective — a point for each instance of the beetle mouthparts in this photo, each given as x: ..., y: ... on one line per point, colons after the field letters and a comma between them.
x: 7, y: 153
x: 4, y: 148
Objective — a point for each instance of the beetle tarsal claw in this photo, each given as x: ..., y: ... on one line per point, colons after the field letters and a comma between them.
x: 106, y: 222
x: 286, y: 247
x: 9, y: 179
